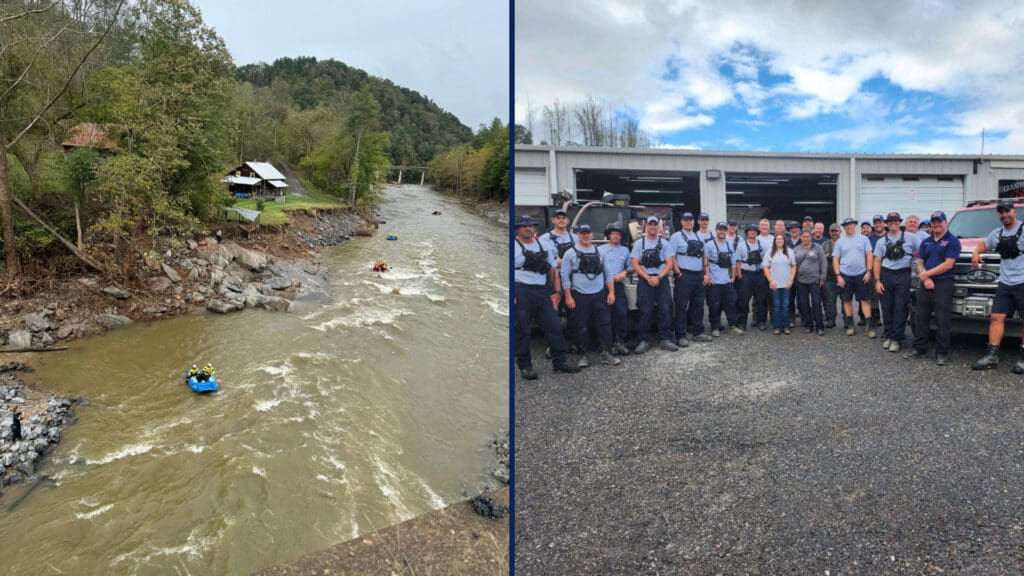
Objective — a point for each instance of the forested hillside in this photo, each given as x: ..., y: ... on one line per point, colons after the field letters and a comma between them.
x: 419, y: 129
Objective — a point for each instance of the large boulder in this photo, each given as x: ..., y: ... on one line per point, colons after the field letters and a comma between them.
x: 37, y: 322
x: 112, y: 321
x: 171, y: 273
x: 159, y: 283
x: 250, y: 259
x: 117, y: 293
x: 220, y: 306
x: 281, y: 283
x: 232, y: 283
x: 20, y: 339
x: 276, y: 303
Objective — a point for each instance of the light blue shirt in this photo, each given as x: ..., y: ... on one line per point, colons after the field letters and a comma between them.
x: 720, y: 275
x: 766, y: 243
x: 921, y: 235
x: 645, y: 243
x: 525, y: 276
x: 551, y: 244
x: 679, y: 241
x: 850, y: 251
x: 1011, y: 272
x: 910, y: 245
x: 616, y: 259
x: 743, y: 253
x: 571, y: 276
x: 779, y: 266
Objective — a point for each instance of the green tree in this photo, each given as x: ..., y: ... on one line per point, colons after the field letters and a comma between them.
x: 79, y: 175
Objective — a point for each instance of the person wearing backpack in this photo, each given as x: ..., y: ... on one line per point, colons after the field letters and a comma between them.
x: 1007, y: 241
x: 750, y: 281
x: 534, y: 300
x: 894, y: 253
x: 722, y: 291
x: 653, y: 260
x: 586, y: 290
x: 616, y: 265
x: 692, y: 276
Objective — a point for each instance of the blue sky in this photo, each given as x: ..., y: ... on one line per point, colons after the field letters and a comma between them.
x: 454, y: 52
x: 873, y: 76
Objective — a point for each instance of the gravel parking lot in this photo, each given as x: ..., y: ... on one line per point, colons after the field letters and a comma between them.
x: 762, y: 454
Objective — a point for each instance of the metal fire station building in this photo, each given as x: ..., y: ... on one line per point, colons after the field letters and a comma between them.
x: 747, y: 186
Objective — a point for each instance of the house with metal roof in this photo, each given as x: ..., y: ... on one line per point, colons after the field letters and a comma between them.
x: 256, y: 179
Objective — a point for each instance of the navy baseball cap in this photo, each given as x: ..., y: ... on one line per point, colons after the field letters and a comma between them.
x: 732, y: 222
x: 877, y: 218
x: 865, y: 223
x: 704, y: 216
x: 808, y: 219
x: 938, y: 215
x: 613, y: 227
x: 583, y: 229
x: 750, y: 228
x: 1004, y: 205
x: 560, y: 212
x: 652, y: 220
x: 686, y: 216
x: 525, y: 221
x: 849, y: 221
x: 792, y: 224
x: 721, y: 226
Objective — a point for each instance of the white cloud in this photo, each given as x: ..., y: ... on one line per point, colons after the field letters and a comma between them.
x: 823, y: 52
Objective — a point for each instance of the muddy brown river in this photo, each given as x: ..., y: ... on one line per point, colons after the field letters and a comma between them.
x: 332, y: 420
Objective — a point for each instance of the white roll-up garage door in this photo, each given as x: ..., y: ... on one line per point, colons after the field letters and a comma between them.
x: 920, y: 195
x: 531, y: 187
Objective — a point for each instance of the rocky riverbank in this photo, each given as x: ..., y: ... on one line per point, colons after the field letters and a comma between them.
x: 268, y: 269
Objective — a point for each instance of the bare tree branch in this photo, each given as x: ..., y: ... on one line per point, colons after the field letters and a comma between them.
x: 34, y: 58
x: 70, y: 77
x: 4, y: 19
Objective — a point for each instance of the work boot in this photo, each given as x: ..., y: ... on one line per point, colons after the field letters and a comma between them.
x: 941, y: 359
x: 885, y: 343
x: 702, y: 338
x: 607, y: 358
x: 641, y: 347
x: 762, y: 326
x: 566, y: 369
x: 913, y: 354
x: 528, y: 373
x: 682, y: 342
x: 716, y: 333
x: 669, y: 346
x: 1018, y: 368
x: 989, y: 360
x: 894, y: 347
x: 736, y: 331
x: 830, y: 324
x: 583, y: 362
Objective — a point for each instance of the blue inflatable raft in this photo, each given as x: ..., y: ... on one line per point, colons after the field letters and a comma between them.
x: 199, y: 386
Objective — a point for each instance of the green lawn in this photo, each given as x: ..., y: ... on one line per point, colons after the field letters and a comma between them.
x: 276, y: 213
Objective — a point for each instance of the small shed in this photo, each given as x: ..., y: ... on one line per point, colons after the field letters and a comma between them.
x: 104, y: 138
x: 256, y: 180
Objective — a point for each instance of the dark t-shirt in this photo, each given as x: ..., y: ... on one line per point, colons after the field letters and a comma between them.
x: 934, y: 252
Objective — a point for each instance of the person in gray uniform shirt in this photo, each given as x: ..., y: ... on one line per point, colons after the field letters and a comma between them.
x: 616, y: 265
x: 1007, y: 240
x: 692, y: 276
x: 894, y: 254
x: 557, y: 241
x: 586, y: 288
x: 534, y: 270
x: 810, y: 278
x: 851, y: 260
x: 653, y: 260
x: 722, y: 291
x: 751, y: 283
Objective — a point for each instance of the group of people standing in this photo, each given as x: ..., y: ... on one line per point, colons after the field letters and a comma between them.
x: 791, y: 265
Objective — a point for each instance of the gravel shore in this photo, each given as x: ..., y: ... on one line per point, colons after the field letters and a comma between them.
x: 762, y: 454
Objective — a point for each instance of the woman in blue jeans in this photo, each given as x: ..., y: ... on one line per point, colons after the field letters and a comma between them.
x: 780, y: 269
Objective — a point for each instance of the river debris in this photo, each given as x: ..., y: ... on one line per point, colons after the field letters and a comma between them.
x: 41, y: 417
x: 488, y: 508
